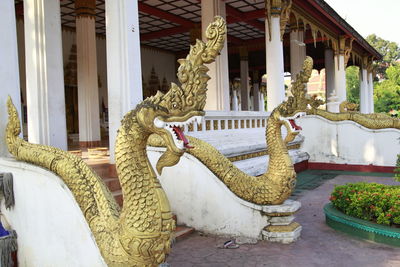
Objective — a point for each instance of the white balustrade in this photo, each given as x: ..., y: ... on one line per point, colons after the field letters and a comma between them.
x: 231, y: 120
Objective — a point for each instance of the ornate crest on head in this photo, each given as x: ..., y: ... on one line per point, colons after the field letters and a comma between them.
x: 192, y: 73
x: 167, y: 114
x: 296, y: 105
x: 300, y: 100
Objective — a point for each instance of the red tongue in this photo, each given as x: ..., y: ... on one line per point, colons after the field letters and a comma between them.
x: 295, y: 126
x: 182, y: 137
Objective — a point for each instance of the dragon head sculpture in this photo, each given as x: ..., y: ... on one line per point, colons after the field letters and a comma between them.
x: 296, y: 106
x: 167, y: 114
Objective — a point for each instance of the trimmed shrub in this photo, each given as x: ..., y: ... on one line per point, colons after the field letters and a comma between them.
x: 397, y: 170
x: 369, y: 201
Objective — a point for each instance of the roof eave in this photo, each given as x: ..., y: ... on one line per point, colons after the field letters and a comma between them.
x: 335, y: 17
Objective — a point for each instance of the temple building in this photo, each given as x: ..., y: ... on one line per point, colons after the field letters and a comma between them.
x: 79, y: 65
x: 273, y: 125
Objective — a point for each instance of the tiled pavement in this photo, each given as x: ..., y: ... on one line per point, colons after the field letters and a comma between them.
x: 319, y: 245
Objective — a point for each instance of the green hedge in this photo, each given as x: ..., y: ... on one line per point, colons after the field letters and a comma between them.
x: 397, y: 170
x: 369, y: 201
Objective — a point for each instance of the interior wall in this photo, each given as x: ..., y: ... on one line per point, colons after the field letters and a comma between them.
x: 21, y: 59
x: 102, y: 70
x: 164, y: 64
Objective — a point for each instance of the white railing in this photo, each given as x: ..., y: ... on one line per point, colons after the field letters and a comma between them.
x: 230, y: 120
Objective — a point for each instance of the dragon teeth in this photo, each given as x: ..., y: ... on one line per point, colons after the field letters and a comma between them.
x: 196, y: 119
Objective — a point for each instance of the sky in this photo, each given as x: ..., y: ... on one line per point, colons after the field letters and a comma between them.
x: 381, y: 17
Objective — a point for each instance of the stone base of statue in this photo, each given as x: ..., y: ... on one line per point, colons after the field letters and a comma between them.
x: 282, y: 228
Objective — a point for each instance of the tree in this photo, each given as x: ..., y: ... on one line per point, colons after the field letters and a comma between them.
x: 389, y: 50
x: 387, y: 92
x: 353, y: 84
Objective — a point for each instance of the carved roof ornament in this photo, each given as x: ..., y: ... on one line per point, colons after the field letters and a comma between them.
x: 85, y: 8
x: 278, y: 8
x: 369, y: 65
x: 345, y: 48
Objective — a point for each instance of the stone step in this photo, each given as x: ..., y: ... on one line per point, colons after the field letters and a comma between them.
x: 258, y: 165
x: 102, y: 169
x: 182, y: 232
x: 236, y: 143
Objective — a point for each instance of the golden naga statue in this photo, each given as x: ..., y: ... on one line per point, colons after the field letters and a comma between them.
x: 277, y: 184
x: 140, y: 233
x: 371, y: 121
x: 348, y: 106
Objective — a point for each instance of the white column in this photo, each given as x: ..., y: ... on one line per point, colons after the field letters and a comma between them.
x: 340, y: 78
x: 244, y: 82
x: 302, y: 48
x: 218, y: 85
x: 124, y: 73
x: 235, y: 105
x: 256, y: 97
x: 44, y: 73
x: 9, y: 73
x: 370, y: 95
x: 364, y: 90
x: 329, y: 74
x: 275, y: 79
x: 88, y: 90
x: 262, y: 103
x: 294, y: 54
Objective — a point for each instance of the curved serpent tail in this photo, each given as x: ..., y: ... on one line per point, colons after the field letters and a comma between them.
x: 93, y: 197
x: 370, y: 121
x: 13, y: 127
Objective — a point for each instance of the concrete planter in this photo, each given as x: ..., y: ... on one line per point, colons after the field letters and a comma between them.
x: 361, y: 228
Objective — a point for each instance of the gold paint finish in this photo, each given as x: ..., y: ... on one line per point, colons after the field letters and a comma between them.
x: 259, y: 153
x: 282, y: 228
x: 277, y: 184
x: 281, y: 214
x: 370, y: 121
x: 140, y: 233
x: 348, y: 106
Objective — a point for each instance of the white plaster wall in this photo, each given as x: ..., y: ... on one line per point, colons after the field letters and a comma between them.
x: 201, y: 200
x: 164, y: 64
x: 51, y: 228
x: 347, y: 142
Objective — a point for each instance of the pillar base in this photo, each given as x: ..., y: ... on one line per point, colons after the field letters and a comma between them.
x: 89, y: 144
x: 281, y: 226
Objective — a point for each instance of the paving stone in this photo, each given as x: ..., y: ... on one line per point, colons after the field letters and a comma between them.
x: 319, y: 245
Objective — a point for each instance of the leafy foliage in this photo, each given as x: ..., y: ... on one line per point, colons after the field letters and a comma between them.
x: 353, y: 84
x: 387, y: 92
x: 389, y: 50
x: 373, y: 202
x: 397, y: 170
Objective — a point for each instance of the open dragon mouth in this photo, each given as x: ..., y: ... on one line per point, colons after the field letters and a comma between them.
x: 176, y: 130
x: 292, y: 121
x: 294, y: 125
x: 181, y: 137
